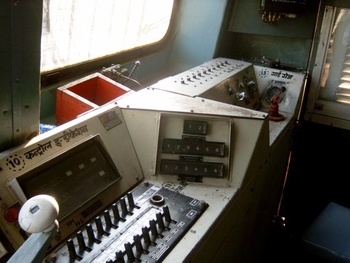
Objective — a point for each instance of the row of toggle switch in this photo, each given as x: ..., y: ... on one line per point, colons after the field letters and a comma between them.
x: 132, y: 232
x: 113, y: 230
x: 142, y: 243
x: 202, y: 74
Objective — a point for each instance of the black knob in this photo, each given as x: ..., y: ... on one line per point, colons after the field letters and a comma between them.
x: 138, y: 243
x: 166, y: 213
x: 115, y: 211
x: 145, y: 235
x: 108, y: 220
x: 153, y: 227
x: 91, y: 234
x: 99, y: 226
x: 71, y: 249
x: 131, y: 200
x: 119, y: 256
x: 81, y: 242
x: 160, y: 221
x: 129, y: 252
x: 123, y: 207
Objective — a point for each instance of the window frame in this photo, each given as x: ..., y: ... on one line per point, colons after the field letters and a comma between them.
x: 317, y: 109
x: 61, y: 75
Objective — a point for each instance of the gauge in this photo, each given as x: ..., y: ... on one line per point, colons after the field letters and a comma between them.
x: 272, y: 91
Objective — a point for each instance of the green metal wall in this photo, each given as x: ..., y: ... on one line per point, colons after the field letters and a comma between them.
x: 20, y: 31
x: 289, y: 40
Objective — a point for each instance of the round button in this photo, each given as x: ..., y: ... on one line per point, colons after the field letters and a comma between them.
x: 11, y: 214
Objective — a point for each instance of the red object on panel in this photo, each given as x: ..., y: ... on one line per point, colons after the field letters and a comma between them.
x: 85, y: 94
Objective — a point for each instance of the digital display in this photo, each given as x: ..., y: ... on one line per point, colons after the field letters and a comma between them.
x: 74, y: 177
x: 195, y: 127
x: 176, y: 167
x: 177, y: 146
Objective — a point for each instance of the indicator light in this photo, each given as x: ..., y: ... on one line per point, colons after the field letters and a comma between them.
x: 11, y: 214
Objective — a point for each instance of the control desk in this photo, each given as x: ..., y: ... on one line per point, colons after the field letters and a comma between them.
x: 182, y: 178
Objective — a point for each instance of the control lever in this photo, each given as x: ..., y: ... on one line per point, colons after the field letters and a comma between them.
x: 38, y: 217
x: 274, y: 115
x: 136, y: 65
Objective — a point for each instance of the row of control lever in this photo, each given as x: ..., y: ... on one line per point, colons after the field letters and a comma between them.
x: 144, y: 230
x: 206, y: 71
x: 140, y: 244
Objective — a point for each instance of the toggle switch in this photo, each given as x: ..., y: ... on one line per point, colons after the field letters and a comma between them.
x: 91, y: 234
x: 153, y: 227
x: 145, y: 235
x: 160, y: 221
x: 115, y: 211
x: 131, y: 200
x: 138, y: 243
x: 108, y: 220
x: 119, y: 256
x: 129, y: 252
x: 99, y: 227
x: 166, y: 213
x: 71, y: 248
x: 81, y: 242
x: 123, y: 207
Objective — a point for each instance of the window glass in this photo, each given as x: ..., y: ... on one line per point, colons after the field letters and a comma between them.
x: 335, y: 81
x: 76, y: 31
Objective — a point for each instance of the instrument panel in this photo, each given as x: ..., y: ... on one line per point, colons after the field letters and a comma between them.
x: 111, y: 170
x: 142, y: 226
x: 85, y: 165
x: 193, y: 147
x: 221, y: 79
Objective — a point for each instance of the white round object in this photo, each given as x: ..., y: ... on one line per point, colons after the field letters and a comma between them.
x: 38, y: 214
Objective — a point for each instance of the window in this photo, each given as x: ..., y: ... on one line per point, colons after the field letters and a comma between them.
x: 329, y: 96
x: 78, y: 31
x: 335, y: 80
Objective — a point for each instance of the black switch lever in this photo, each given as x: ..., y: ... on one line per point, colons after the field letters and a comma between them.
x: 145, y: 235
x: 81, y: 242
x: 123, y: 207
x: 153, y: 227
x: 108, y: 220
x: 138, y: 243
x: 91, y: 234
x: 131, y: 200
x: 160, y: 221
x: 167, y: 215
x: 119, y: 256
x: 99, y: 227
x: 71, y: 248
x: 129, y: 252
x: 116, y: 214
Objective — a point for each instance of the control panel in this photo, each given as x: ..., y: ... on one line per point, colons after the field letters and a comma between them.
x: 221, y: 79
x: 142, y: 226
x: 272, y: 81
x: 107, y: 212
x: 85, y: 165
x: 114, y: 172
x: 193, y: 147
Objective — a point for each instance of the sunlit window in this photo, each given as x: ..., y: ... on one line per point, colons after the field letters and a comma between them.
x: 335, y: 81
x: 76, y: 31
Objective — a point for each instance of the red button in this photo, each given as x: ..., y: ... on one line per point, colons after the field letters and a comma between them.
x: 11, y: 214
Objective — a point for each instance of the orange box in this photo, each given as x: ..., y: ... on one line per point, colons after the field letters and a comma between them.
x: 86, y: 94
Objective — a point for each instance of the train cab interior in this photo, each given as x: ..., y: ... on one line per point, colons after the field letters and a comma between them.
x: 174, y: 131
